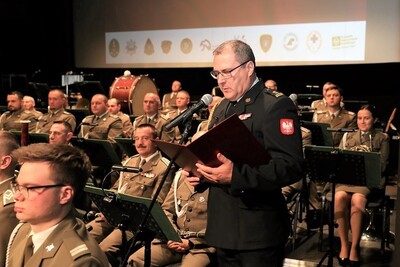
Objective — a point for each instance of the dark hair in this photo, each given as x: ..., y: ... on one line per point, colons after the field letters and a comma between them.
x: 69, y: 165
x: 154, y: 132
x: 18, y: 93
x: 370, y: 108
x: 243, y: 51
x: 66, y: 125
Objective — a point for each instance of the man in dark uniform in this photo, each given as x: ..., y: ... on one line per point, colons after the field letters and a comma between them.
x: 248, y: 219
x: 51, y: 176
x: 11, y: 119
x: 57, y: 102
x: 102, y: 124
x: 8, y: 143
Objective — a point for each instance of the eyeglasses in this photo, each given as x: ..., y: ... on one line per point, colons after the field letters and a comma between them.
x: 24, y: 190
x: 225, y: 73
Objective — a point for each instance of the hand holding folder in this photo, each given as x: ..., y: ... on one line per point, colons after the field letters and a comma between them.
x: 230, y: 138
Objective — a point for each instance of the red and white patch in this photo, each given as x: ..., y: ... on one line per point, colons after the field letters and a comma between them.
x: 245, y: 116
x: 287, y: 127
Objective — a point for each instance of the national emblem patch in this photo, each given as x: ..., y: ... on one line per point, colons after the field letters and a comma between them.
x: 287, y: 127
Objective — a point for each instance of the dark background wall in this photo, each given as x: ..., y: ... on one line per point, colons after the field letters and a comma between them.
x: 37, y: 46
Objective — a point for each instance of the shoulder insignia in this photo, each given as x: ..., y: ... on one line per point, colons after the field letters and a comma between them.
x: 165, y: 160
x: 79, y: 250
x: 275, y: 93
x: 8, y: 197
x: 164, y: 117
x: 321, y: 112
x: 67, y: 113
x: 114, y: 116
x: 27, y: 111
x: 139, y: 117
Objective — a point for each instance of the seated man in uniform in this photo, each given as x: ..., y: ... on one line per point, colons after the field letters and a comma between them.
x: 51, y: 176
x: 11, y: 119
x: 8, y: 143
x: 57, y: 102
x: 186, y: 208
x: 143, y: 184
x: 102, y: 124
x: 114, y: 107
x: 151, y: 107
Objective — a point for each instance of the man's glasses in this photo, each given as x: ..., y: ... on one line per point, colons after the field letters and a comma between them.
x: 225, y: 73
x: 24, y: 190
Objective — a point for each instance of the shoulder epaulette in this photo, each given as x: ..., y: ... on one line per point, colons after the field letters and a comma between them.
x: 321, y: 112
x: 114, y: 116
x: 27, y: 112
x: 275, y: 93
x: 165, y: 160
x: 164, y: 117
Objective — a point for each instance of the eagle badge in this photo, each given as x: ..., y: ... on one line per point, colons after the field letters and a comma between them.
x: 287, y: 127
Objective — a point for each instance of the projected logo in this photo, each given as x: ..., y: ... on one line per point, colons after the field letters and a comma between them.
x: 149, y: 47
x: 131, y: 47
x: 186, y: 46
x: 166, y: 46
x: 290, y: 41
x: 314, y: 41
x: 265, y: 42
x: 113, y: 48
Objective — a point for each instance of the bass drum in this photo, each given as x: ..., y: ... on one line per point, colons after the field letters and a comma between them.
x: 130, y: 91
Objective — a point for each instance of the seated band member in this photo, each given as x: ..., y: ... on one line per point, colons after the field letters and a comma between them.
x: 49, y: 234
x: 350, y: 200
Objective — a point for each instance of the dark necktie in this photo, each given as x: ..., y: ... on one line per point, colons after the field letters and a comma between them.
x: 28, y: 249
x: 230, y: 108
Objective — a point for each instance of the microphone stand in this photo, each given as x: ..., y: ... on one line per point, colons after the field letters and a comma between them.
x: 144, y: 234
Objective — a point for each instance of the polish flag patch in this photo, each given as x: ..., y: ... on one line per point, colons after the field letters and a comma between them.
x: 287, y: 127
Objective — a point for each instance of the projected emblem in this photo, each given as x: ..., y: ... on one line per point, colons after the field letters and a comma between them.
x: 290, y: 41
x: 265, y: 42
x: 166, y: 46
x: 314, y: 41
x: 113, y: 48
x: 149, y: 47
x: 186, y: 46
x: 131, y: 47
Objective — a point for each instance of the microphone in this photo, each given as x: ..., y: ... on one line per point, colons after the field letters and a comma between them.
x: 126, y: 168
x: 205, y: 101
x: 341, y: 130
x: 293, y: 97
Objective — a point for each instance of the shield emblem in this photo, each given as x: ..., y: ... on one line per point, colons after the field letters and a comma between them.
x: 265, y: 42
x: 166, y: 46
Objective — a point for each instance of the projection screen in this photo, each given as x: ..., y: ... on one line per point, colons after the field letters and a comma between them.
x: 183, y: 33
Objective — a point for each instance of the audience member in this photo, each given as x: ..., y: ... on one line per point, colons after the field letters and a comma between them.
x: 49, y: 179
x: 57, y: 102
x: 151, y: 107
x: 8, y: 143
x: 351, y: 200
x: 102, y: 124
x: 335, y: 115
x: 114, y: 107
x: 28, y: 103
x: 271, y: 84
x: 143, y: 184
x: 60, y: 133
x: 169, y: 99
x: 248, y: 220
x: 186, y: 208
x: 11, y: 119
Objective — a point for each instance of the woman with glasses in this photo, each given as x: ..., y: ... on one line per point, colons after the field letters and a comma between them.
x: 248, y: 221
x: 49, y: 234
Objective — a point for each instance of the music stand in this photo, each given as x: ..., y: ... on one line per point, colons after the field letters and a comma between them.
x: 336, y: 165
x: 140, y: 215
x: 127, y: 145
x: 101, y: 153
x: 319, y: 133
